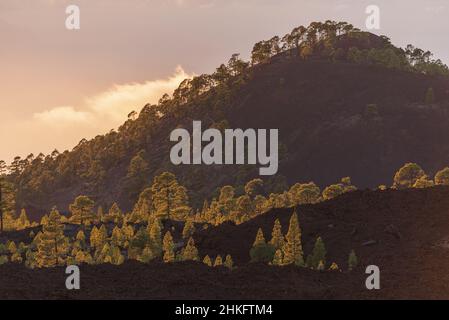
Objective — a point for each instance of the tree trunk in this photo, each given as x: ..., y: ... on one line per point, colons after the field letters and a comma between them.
x: 168, y: 203
x: 56, y: 251
x: 1, y: 210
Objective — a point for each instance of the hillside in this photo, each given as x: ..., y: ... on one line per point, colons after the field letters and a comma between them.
x: 335, y: 118
x: 402, y: 232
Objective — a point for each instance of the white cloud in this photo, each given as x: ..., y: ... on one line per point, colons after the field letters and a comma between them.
x: 63, y: 127
x: 120, y: 100
x: 113, y: 105
x: 63, y: 115
x: 435, y: 9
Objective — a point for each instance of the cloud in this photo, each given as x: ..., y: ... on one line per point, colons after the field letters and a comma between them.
x: 113, y: 105
x: 62, y: 127
x: 120, y: 100
x: 63, y: 115
x: 435, y: 9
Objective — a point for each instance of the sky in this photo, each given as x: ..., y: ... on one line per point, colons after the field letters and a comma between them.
x: 58, y: 86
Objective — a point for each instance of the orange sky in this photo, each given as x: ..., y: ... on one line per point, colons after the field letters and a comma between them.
x: 59, y: 86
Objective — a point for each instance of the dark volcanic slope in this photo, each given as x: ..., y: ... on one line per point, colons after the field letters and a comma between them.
x: 405, y: 233
x: 408, y: 230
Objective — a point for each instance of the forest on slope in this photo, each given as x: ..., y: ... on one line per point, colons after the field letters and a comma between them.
x: 346, y: 103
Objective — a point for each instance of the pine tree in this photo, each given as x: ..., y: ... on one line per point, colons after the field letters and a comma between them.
x: 51, y: 245
x: 309, y: 263
x: 243, y: 210
x: 88, y: 258
x: 136, y: 175
x: 146, y: 256
x: 16, y: 257
x: 304, y: 193
x: 190, y: 252
x: 23, y: 222
x: 334, y: 267
x: 100, y: 214
x: 80, y: 236
x: 80, y: 257
x: 293, y: 248
x: 102, y: 236
x: 352, y: 260
x: 254, y: 187
x: 44, y: 219
x: 278, y: 258
x: 104, y: 255
x: 320, y: 266
x: 318, y: 254
x: 82, y: 210
x: 168, y: 248
x: 94, y: 237
x: 218, y: 261
x: 116, y: 256
x: 7, y: 201
x: 114, y: 215
x: 210, y: 215
x: 98, y: 237
x: 204, y: 211
x: 260, y: 239
x: 156, y: 237
x: 30, y: 260
x: 12, y: 248
x: 207, y: 261
x: 169, y: 199
x: 189, y: 229
x: 228, y: 262
x: 80, y: 242
x: 260, y: 204
x: 127, y: 231
x: 116, y: 238
x: 21, y: 247
x: 261, y: 251
x: 141, y: 211
x: 277, y: 238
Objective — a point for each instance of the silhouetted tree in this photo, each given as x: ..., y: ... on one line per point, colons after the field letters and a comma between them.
x: 407, y: 176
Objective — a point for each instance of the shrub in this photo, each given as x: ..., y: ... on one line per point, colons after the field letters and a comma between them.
x: 3, y: 260
x: 262, y: 253
x: 352, y: 261
x: 442, y: 177
x: 407, y: 176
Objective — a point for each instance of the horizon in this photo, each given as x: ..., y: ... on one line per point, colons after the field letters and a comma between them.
x: 62, y: 86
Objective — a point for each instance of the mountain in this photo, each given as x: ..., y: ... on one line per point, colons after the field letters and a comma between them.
x: 346, y: 103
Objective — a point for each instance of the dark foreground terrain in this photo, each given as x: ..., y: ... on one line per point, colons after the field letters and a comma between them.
x: 405, y: 233
x: 177, y: 281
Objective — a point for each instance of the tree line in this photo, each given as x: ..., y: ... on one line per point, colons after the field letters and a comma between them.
x: 114, y: 236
